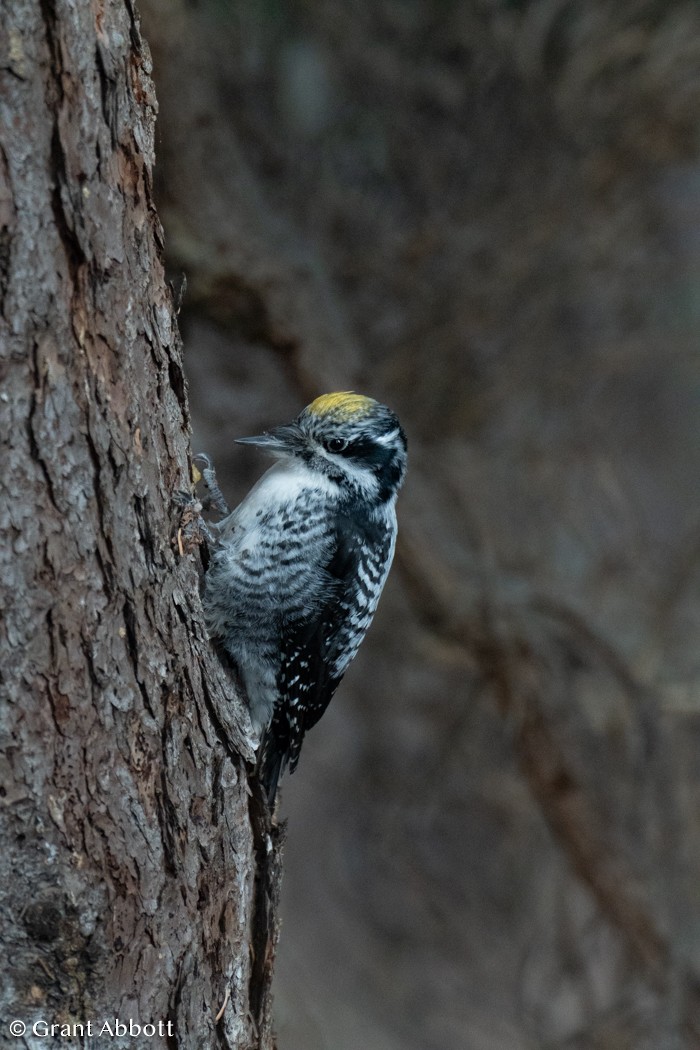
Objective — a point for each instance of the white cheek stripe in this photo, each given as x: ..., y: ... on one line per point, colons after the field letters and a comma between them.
x: 362, y: 476
x: 388, y: 439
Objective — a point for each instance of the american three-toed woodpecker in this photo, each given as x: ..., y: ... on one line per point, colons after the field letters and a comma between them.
x: 299, y: 565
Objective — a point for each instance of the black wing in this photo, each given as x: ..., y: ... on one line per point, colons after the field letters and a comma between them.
x: 313, y: 648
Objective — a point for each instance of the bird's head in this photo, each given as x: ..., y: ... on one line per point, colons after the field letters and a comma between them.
x: 355, y: 441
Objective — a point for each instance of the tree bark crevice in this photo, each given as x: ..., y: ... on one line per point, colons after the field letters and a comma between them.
x: 123, y: 740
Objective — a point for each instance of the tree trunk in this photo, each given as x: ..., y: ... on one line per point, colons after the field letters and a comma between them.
x: 130, y: 893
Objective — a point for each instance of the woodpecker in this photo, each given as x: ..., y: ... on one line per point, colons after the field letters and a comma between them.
x: 298, y: 567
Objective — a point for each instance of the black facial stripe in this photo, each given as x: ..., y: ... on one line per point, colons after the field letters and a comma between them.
x: 367, y: 448
x: 385, y: 461
x: 389, y: 478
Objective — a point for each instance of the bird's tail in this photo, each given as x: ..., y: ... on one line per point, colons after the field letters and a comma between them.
x: 271, y: 765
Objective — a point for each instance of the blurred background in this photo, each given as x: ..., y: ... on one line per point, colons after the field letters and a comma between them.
x: 487, y: 214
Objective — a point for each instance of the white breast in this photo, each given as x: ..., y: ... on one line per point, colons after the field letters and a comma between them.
x: 280, y: 486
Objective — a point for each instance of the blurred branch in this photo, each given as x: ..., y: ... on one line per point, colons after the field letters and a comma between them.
x: 519, y: 675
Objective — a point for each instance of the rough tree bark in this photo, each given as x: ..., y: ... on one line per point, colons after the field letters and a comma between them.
x: 128, y: 869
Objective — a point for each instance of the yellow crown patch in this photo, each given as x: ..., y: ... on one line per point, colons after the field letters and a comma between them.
x: 342, y: 405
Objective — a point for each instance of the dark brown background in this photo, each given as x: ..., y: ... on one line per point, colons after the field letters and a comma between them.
x: 486, y: 214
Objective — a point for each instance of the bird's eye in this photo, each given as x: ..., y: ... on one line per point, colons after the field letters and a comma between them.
x: 336, y: 444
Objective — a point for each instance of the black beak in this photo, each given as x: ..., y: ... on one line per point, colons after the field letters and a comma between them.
x: 286, y: 440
